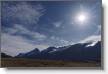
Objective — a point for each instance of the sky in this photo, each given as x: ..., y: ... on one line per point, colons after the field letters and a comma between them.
x: 29, y: 25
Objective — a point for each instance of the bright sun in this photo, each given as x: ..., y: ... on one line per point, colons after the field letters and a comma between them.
x: 82, y: 18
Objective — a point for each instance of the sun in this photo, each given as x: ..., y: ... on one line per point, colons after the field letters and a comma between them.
x: 81, y: 18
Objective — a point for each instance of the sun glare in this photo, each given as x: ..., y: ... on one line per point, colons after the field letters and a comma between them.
x: 81, y: 18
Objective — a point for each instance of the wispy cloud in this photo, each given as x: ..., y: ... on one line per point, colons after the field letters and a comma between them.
x: 22, y: 12
x: 17, y: 28
x: 93, y: 38
x: 60, y: 41
x: 57, y: 24
x: 98, y: 30
x: 14, y: 45
x: 20, y: 16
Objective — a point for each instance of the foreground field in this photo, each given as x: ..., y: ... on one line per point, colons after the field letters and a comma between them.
x: 21, y: 62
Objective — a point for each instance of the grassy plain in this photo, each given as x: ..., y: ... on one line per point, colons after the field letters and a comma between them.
x: 22, y: 62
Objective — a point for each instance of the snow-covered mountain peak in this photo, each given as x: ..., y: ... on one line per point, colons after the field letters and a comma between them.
x: 92, y: 40
x: 92, y: 43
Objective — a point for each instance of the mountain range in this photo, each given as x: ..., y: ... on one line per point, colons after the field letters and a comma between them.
x: 89, y: 51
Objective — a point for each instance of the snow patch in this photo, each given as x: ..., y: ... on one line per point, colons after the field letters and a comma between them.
x: 92, y: 44
x: 53, y: 50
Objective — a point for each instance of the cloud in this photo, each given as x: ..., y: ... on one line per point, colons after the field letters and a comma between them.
x: 14, y: 45
x: 57, y: 41
x: 93, y: 38
x: 98, y: 31
x: 17, y: 28
x: 57, y: 24
x: 23, y: 12
x: 19, y: 16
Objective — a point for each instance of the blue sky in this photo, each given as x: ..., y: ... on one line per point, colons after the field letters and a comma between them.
x: 29, y: 25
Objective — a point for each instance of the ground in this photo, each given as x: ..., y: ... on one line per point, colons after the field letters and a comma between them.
x: 22, y: 62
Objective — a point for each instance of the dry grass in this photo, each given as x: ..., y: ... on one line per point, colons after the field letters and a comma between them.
x: 21, y: 62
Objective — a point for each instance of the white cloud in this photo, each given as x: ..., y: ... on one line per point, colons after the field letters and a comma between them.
x: 23, y: 12
x: 14, y: 45
x: 93, y: 38
x: 22, y: 30
x: 35, y: 35
x: 57, y: 24
x: 60, y: 41
x: 98, y: 31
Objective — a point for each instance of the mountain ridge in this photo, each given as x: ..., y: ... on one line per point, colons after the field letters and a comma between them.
x: 78, y: 51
